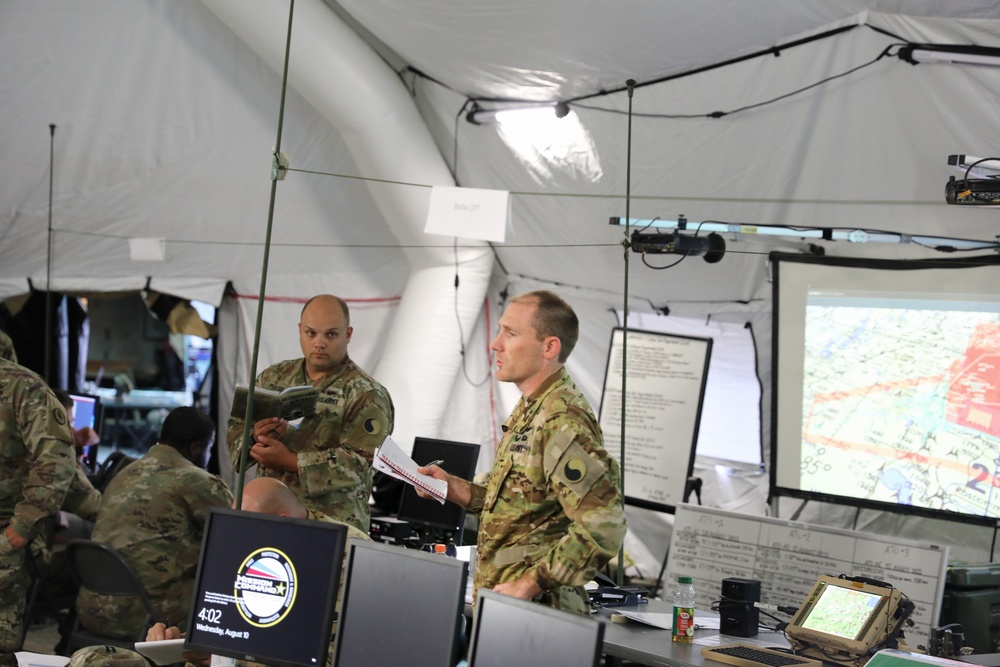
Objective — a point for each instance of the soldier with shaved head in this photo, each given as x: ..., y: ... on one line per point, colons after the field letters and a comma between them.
x: 326, y: 459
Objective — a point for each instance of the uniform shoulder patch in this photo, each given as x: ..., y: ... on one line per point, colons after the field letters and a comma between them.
x: 59, y: 415
x: 578, y: 471
x: 372, y: 426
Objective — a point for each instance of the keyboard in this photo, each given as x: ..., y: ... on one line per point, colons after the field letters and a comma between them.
x: 742, y: 655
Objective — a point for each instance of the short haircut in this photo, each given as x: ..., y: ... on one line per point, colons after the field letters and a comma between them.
x: 343, y: 306
x: 186, y: 425
x: 64, y: 398
x: 553, y: 317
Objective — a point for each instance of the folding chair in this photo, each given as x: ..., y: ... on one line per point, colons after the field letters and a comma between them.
x: 102, y: 569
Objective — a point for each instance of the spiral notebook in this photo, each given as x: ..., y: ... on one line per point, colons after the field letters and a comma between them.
x: 393, y: 461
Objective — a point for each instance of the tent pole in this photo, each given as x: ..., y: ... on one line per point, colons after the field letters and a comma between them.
x: 48, y: 261
x: 276, y: 174
x: 625, y: 243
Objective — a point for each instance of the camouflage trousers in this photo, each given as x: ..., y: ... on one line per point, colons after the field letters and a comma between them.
x: 121, y: 616
x: 13, y: 597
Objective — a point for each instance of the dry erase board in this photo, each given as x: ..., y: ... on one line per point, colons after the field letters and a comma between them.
x: 787, y: 557
x: 665, y: 384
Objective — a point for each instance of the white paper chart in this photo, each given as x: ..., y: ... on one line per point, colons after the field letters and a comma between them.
x: 787, y: 557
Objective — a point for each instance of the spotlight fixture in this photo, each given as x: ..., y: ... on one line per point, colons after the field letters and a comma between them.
x: 712, y: 247
x: 480, y: 116
x: 950, y: 53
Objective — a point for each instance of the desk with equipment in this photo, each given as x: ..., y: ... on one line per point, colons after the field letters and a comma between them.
x: 787, y: 557
x: 126, y: 416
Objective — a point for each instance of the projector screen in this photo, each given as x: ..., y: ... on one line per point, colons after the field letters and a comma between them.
x: 887, y: 384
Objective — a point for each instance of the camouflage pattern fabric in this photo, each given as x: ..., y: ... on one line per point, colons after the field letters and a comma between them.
x: 82, y: 499
x: 335, y: 447
x: 106, y: 656
x: 552, y: 507
x: 7, y: 348
x: 36, y: 456
x: 154, y: 513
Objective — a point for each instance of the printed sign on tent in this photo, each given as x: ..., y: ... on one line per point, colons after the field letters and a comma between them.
x: 469, y: 212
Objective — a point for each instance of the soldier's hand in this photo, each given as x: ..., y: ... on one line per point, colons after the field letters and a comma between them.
x: 15, y: 539
x: 160, y: 632
x: 272, y: 453
x: 273, y: 427
x: 524, y: 588
x: 85, y: 437
x: 458, y: 489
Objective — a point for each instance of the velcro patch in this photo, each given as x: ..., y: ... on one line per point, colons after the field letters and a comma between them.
x: 578, y: 471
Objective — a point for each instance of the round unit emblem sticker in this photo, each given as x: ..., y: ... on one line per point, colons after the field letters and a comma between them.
x: 265, y: 587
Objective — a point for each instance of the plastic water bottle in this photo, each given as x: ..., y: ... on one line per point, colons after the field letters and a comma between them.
x: 683, y: 625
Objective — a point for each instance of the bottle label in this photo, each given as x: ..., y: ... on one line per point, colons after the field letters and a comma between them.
x: 683, y: 626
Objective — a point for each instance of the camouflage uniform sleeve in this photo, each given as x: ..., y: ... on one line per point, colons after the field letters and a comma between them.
x: 478, y: 498
x: 234, y: 440
x: 82, y: 499
x: 46, y: 436
x: 209, y: 492
x: 368, y: 419
x: 586, y: 481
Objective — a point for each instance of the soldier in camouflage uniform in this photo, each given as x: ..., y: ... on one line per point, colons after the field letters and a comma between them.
x: 36, y: 457
x: 327, y: 459
x: 154, y: 513
x: 551, y: 513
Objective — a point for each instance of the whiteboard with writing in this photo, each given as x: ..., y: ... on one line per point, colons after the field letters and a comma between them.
x: 787, y: 557
x: 665, y: 378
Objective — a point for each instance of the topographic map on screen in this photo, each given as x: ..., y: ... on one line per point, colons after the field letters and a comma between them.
x: 901, y: 402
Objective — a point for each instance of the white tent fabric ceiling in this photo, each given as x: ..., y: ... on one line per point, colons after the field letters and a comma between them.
x: 167, y: 114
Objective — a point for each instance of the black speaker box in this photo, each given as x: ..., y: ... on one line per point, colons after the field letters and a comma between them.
x: 737, y: 615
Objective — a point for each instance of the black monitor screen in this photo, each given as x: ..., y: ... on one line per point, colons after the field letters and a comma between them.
x: 509, y: 631
x: 400, y: 607
x: 458, y: 458
x: 266, y: 588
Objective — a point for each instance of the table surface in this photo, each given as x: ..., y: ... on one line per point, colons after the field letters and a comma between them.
x: 650, y: 645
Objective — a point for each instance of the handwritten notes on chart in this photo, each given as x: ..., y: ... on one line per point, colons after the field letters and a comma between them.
x: 787, y: 557
x: 666, y: 377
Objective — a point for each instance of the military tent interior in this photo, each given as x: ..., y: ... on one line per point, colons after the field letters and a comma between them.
x: 805, y: 117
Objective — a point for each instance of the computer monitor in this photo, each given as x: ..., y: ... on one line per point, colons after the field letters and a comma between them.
x: 436, y: 522
x: 400, y: 607
x: 87, y: 411
x: 266, y: 588
x: 842, y: 619
x: 509, y: 631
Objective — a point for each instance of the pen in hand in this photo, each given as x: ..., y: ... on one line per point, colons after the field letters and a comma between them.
x: 433, y: 463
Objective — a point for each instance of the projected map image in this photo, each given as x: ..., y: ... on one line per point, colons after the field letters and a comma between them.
x: 903, y: 406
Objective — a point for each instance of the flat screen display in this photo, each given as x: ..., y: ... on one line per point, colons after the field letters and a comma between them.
x: 842, y: 619
x: 509, y: 631
x: 86, y: 411
x: 266, y: 588
x: 400, y: 607
x: 887, y: 385
x: 431, y: 518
